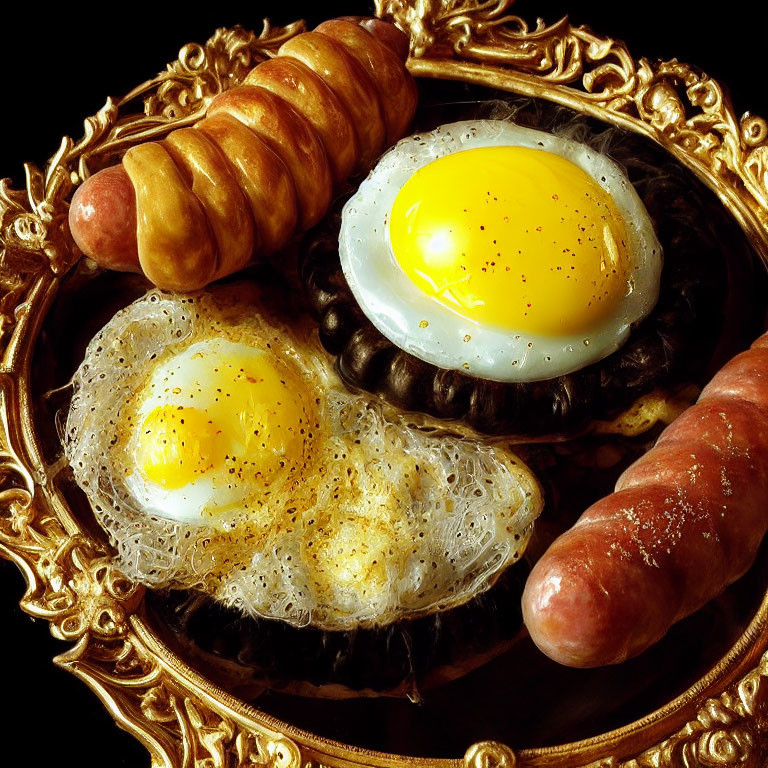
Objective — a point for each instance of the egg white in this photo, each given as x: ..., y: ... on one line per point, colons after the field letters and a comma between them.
x: 185, y: 380
x: 379, y: 520
x: 436, y: 334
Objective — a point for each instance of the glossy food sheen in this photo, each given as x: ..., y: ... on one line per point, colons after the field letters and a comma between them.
x: 282, y: 142
x: 383, y: 66
x: 290, y: 136
x: 510, y: 253
x: 707, y: 292
x: 262, y: 176
x: 311, y: 96
x: 220, y: 452
x: 112, y: 230
x: 686, y: 521
x: 170, y: 220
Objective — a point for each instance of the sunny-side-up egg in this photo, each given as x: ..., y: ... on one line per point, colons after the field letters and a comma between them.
x: 220, y: 452
x: 502, y: 251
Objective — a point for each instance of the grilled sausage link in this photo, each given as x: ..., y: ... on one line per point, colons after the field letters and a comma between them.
x: 685, y: 521
x: 261, y: 166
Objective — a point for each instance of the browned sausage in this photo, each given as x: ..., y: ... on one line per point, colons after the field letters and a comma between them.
x: 686, y: 521
x: 196, y: 206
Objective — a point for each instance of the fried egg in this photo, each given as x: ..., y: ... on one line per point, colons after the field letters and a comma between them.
x: 220, y: 452
x: 502, y: 251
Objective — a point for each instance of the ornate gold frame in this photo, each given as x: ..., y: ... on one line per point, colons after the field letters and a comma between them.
x: 179, y: 716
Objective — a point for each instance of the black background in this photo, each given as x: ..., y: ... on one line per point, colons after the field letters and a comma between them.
x: 58, y: 67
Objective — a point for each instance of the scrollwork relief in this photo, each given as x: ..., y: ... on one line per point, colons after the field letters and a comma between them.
x: 71, y: 581
x: 675, y: 103
x: 728, y: 731
x: 489, y: 754
x: 177, y: 725
x: 33, y: 222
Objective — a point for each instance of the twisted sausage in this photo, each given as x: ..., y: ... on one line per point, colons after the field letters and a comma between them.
x: 261, y: 166
x: 685, y: 521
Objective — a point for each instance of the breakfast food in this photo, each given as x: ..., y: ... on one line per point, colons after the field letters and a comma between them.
x: 260, y: 167
x: 530, y: 283
x: 519, y: 280
x: 685, y: 521
x: 220, y: 453
x: 321, y: 533
x: 509, y: 253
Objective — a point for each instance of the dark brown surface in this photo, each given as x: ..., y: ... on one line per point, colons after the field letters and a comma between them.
x: 521, y: 697
x: 59, y: 64
x: 674, y: 341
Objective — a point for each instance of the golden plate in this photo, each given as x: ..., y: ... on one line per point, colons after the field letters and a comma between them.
x: 179, y: 715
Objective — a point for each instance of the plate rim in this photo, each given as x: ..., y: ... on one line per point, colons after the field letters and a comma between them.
x: 71, y: 581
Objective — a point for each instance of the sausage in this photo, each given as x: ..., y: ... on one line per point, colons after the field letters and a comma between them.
x: 684, y: 522
x: 262, y: 165
x: 102, y: 219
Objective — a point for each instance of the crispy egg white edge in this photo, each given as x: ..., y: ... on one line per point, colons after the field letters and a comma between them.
x: 160, y: 550
x: 433, y: 332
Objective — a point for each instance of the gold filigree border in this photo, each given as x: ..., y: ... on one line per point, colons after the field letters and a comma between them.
x: 71, y: 581
x: 675, y: 104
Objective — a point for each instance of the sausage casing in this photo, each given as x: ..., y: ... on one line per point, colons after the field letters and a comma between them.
x: 300, y: 124
x: 686, y: 520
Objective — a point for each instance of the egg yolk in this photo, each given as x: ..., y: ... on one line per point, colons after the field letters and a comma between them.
x: 246, y: 420
x: 512, y: 237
